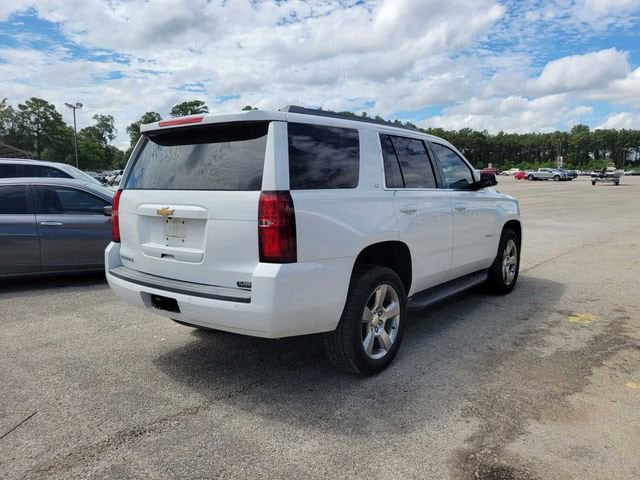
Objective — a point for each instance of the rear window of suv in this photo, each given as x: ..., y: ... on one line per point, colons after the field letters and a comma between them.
x: 213, y: 157
x: 323, y: 157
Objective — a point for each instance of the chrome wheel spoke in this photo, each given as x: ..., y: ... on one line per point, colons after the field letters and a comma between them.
x: 381, y: 294
x: 367, y: 315
x: 393, y: 310
x: 385, y: 340
x: 368, y: 342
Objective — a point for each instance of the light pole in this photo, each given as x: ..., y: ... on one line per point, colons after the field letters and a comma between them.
x: 75, y: 132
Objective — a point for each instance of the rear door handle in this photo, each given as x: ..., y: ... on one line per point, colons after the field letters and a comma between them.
x: 47, y: 223
x: 460, y: 207
x: 408, y: 209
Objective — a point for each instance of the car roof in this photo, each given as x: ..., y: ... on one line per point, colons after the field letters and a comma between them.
x: 61, y: 182
x: 309, y: 116
x: 26, y: 161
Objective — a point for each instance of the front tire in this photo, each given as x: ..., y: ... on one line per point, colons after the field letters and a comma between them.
x: 504, y: 271
x: 372, y: 323
x: 530, y: 177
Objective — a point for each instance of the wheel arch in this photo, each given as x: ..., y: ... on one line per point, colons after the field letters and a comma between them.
x: 392, y: 254
x: 515, y: 226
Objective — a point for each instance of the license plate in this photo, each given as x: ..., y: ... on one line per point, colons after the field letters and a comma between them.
x: 175, y: 229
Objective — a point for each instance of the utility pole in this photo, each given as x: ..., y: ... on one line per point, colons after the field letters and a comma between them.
x: 75, y: 130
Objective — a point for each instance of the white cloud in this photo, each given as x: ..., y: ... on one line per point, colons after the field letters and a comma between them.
x: 580, y: 72
x: 628, y: 120
x: 512, y: 114
x: 485, y: 62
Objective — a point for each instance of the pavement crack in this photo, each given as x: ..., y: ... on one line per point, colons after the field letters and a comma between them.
x: 28, y: 417
x: 85, y: 455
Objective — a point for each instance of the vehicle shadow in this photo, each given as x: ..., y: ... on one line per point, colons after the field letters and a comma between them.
x: 290, y: 380
x: 30, y: 284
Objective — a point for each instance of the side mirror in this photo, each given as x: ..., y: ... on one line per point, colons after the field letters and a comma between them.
x: 488, y: 179
x: 107, y: 209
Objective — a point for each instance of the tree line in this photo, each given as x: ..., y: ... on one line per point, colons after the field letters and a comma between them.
x: 36, y: 126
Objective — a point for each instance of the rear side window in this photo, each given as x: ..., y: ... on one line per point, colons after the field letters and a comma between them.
x: 219, y: 157
x: 13, y: 200
x: 41, y: 171
x: 50, y: 199
x: 8, y: 170
x: 323, y: 157
x: 411, y: 155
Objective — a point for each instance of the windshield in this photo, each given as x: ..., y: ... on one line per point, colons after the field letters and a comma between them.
x: 79, y: 174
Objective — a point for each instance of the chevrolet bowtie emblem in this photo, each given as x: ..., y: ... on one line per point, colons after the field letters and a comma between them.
x: 165, y: 211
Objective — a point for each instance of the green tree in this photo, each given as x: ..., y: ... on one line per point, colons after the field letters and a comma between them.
x: 35, y: 126
x: 192, y: 107
x: 133, y: 130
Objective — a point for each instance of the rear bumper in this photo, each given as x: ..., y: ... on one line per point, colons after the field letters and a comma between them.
x: 285, y: 299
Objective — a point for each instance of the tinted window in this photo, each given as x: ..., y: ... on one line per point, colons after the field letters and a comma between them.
x: 221, y: 157
x: 40, y: 171
x: 392, y: 173
x: 67, y: 200
x: 323, y: 157
x: 8, y: 170
x: 13, y: 199
x: 455, y: 170
x: 414, y: 162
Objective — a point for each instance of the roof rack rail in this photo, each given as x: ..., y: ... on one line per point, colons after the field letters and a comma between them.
x: 328, y: 113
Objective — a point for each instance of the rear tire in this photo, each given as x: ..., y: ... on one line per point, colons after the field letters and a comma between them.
x: 593, y: 182
x: 372, y: 323
x: 557, y: 178
x: 503, y: 274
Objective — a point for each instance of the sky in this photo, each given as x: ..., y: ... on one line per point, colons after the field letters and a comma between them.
x: 512, y: 66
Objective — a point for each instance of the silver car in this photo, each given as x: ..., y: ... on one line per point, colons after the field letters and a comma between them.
x: 52, y: 225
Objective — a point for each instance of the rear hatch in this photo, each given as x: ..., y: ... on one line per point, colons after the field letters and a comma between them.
x: 189, y: 206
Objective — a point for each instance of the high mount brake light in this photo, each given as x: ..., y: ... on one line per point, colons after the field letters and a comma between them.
x: 277, y: 228
x: 115, y: 218
x: 180, y: 121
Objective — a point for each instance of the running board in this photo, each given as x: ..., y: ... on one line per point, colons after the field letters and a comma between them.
x: 433, y: 295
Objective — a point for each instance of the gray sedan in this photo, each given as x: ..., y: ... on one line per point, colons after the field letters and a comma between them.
x: 50, y: 225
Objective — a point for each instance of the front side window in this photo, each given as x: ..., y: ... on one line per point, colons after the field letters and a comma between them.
x: 412, y: 157
x: 13, y: 200
x: 323, y: 157
x: 53, y: 199
x: 210, y: 157
x: 455, y: 170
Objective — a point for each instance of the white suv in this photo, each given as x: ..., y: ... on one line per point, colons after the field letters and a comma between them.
x: 299, y: 221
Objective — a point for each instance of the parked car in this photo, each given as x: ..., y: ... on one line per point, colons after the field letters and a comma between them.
x: 511, y: 171
x: 13, y: 168
x: 275, y: 224
x: 52, y: 225
x: 520, y: 175
x: 547, y: 174
x: 571, y: 174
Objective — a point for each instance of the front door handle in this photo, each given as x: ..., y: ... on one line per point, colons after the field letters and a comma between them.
x: 48, y: 223
x: 460, y: 207
x: 408, y: 209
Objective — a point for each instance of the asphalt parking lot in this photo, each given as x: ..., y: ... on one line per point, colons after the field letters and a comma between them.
x: 540, y: 384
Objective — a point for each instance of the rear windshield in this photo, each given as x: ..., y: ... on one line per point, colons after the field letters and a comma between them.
x: 220, y: 157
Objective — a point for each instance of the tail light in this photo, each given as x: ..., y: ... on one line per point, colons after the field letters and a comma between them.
x: 277, y: 228
x: 115, y: 220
